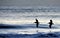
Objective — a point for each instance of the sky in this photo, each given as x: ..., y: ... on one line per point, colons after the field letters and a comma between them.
x: 33, y: 3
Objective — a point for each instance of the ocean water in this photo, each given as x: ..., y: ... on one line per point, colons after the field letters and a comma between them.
x: 19, y: 22
x: 27, y: 15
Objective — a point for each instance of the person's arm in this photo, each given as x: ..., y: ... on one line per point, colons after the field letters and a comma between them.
x: 34, y: 22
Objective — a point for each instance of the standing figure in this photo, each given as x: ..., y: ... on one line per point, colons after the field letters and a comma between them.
x: 50, y: 23
x: 37, y: 23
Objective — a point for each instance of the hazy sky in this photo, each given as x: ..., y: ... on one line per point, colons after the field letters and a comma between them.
x: 30, y: 3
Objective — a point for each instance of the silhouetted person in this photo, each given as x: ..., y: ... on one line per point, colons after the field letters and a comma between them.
x: 50, y: 23
x: 37, y: 23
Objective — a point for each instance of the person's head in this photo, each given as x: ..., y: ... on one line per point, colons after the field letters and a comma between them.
x: 36, y: 19
x: 50, y: 20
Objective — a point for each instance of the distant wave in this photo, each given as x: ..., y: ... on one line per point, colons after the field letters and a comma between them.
x: 38, y: 9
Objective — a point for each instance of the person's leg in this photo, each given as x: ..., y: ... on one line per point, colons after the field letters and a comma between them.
x: 49, y: 26
x: 37, y: 25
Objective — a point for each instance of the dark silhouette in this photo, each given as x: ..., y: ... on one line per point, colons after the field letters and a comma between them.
x: 50, y: 23
x: 37, y: 23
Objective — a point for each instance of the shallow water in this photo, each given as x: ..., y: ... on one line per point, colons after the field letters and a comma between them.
x: 28, y: 29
